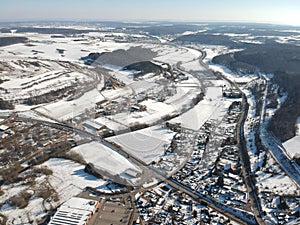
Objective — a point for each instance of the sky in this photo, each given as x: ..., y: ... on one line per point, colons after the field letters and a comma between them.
x: 270, y: 11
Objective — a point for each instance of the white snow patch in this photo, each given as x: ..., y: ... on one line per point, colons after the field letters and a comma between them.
x: 276, y: 183
x: 146, y: 144
x: 212, y: 107
x: 292, y: 146
x: 192, y: 32
x: 172, y: 55
x: 104, y: 158
x: 231, y: 75
x: 63, y: 110
x: 113, y: 125
x: 33, y: 210
x: 69, y: 178
x: 298, y: 127
x: 155, y: 111
x: 114, y: 94
x: 193, y: 66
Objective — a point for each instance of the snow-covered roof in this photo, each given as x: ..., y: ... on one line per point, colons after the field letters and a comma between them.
x: 3, y: 127
x: 75, y: 211
x: 132, y: 173
x: 81, y: 203
x: 292, y: 146
x: 104, y: 158
x: 93, y: 124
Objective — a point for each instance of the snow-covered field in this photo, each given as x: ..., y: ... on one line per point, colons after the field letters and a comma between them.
x: 214, y: 106
x: 155, y: 111
x: 33, y: 211
x: 29, y: 80
x: 34, y: 116
x: 113, y: 125
x: 46, y: 47
x: 181, y: 97
x: 193, y: 66
x: 68, y: 179
x: 232, y: 76
x: 63, y: 110
x: 279, y: 184
x: 120, y: 92
x: 146, y: 144
x: 298, y: 127
x: 104, y: 158
x: 292, y: 147
x: 173, y: 55
x: 46, y: 63
x: 125, y: 76
x: 142, y: 86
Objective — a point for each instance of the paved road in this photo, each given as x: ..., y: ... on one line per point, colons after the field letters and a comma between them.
x: 275, y: 146
x: 278, y: 152
x: 57, y: 125
x: 234, y: 214
x: 244, y: 156
x: 228, y: 211
x: 246, y: 165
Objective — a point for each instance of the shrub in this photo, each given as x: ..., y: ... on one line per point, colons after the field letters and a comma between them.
x: 75, y: 157
x: 21, y: 200
x: 44, y: 191
x: 43, y: 170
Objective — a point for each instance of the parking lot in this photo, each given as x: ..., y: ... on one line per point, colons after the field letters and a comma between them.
x: 112, y: 212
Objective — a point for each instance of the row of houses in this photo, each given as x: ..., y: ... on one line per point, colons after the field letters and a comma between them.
x: 219, y: 174
x: 166, y: 205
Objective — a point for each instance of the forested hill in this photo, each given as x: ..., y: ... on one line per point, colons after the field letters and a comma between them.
x: 283, y: 60
x: 270, y: 58
x: 4, y: 41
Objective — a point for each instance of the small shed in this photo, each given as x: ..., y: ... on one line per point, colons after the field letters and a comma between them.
x: 3, y: 128
x: 132, y: 173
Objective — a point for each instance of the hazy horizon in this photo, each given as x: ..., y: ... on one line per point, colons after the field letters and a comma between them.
x: 268, y: 11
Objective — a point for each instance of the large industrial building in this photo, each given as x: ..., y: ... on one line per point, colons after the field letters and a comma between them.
x: 76, y: 211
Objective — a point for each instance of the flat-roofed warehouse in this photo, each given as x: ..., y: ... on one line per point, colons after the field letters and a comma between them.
x: 93, y: 125
x: 76, y: 211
